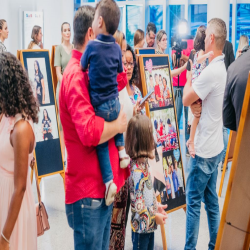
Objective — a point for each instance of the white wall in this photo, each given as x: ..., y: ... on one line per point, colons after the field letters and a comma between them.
x: 55, y: 13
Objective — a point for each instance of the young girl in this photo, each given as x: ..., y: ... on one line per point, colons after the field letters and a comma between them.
x: 146, y: 213
x: 199, y: 64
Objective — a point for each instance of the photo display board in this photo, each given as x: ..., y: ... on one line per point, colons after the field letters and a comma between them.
x: 145, y: 51
x: 48, y: 148
x: 30, y: 19
x: 168, y: 174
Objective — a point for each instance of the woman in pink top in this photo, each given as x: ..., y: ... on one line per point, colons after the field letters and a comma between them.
x: 18, y: 111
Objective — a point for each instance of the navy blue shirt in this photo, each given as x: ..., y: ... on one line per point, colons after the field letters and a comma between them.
x: 104, y: 58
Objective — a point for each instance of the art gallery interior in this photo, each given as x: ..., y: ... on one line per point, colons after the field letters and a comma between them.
x: 135, y: 14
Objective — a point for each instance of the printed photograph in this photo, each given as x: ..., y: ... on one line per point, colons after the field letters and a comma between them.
x: 46, y: 129
x: 164, y: 127
x: 158, y: 79
x: 174, y: 192
x: 38, y: 78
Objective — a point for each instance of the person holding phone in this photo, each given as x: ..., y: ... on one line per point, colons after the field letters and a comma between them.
x: 36, y: 36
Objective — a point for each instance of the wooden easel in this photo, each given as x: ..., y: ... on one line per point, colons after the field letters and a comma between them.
x: 143, y: 86
x: 228, y: 157
x: 53, y: 69
x: 234, y: 230
x: 35, y: 168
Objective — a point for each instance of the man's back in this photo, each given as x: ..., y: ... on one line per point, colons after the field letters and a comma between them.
x: 210, y: 86
x: 237, y: 77
x: 229, y: 54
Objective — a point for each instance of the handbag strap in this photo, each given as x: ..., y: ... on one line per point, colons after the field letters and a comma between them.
x: 32, y: 165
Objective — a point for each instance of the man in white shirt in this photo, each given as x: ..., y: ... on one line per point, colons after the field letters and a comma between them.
x: 203, y: 168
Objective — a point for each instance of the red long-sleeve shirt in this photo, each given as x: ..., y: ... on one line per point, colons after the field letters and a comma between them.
x: 82, y: 133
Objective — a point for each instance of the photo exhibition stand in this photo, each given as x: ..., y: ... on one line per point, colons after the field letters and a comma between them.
x: 53, y: 68
x: 228, y: 158
x: 152, y: 65
x: 234, y: 230
x: 48, y: 157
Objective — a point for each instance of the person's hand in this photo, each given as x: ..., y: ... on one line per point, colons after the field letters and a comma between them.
x: 161, y: 209
x: 121, y: 121
x: 160, y: 219
x: 4, y: 245
x: 137, y: 107
x: 185, y: 65
x: 196, y: 109
x: 41, y: 45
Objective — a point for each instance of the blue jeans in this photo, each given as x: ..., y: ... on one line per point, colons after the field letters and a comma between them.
x: 179, y: 108
x: 225, y: 140
x: 201, y: 186
x: 90, y: 219
x: 109, y: 111
x: 143, y: 241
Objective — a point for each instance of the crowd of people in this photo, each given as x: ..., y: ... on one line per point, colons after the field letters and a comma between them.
x: 107, y: 174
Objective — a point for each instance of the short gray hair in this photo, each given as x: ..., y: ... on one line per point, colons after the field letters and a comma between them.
x: 219, y: 29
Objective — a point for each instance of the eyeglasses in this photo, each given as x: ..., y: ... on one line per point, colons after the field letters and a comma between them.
x: 127, y: 64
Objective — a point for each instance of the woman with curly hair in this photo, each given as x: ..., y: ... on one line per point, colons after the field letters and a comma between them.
x: 18, y: 112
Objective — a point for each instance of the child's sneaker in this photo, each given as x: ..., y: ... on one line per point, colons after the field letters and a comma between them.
x: 124, y: 162
x: 110, y: 194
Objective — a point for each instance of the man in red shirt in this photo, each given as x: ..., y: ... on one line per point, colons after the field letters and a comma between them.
x: 86, y: 211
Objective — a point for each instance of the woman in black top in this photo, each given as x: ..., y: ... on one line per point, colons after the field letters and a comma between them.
x: 39, y: 80
x: 46, y: 126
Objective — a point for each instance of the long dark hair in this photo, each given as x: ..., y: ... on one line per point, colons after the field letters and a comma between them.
x: 39, y: 71
x: 16, y: 96
x: 199, y: 41
x: 134, y: 78
x: 48, y: 118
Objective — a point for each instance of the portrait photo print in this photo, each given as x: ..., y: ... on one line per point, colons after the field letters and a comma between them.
x: 46, y: 129
x: 164, y: 129
x: 174, y: 193
x: 38, y: 78
x: 158, y: 79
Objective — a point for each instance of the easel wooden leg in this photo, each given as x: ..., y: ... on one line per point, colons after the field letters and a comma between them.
x: 225, y: 163
x: 163, y: 233
x: 185, y: 209
x: 39, y: 181
x: 247, y: 239
x: 164, y: 240
x: 63, y: 176
x: 31, y: 176
x: 223, y: 176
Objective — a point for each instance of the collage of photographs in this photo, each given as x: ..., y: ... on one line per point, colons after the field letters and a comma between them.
x: 158, y: 80
x: 162, y: 115
x: 47, y: 128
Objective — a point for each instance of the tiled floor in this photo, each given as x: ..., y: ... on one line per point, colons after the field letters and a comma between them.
x: 60, y: 236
